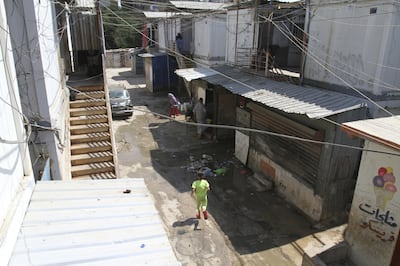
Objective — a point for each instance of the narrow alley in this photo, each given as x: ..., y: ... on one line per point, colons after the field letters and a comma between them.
x: 247, y: 225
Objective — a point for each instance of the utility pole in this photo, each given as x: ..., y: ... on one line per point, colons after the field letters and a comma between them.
x: 255, y: 34
x: 270, y: 15
x: 305, y: 41
x: 236, y: 33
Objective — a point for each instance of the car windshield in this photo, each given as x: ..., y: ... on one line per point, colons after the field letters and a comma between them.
x: 117, y: 94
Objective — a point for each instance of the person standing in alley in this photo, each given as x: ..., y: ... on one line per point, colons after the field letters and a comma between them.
x: 200, y: 187
x: 173, y: 105
x: 200, y: 115
x: 179, y: 42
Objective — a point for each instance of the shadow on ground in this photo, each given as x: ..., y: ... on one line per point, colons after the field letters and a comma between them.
x: 124, y: 76
x: 253, y: 220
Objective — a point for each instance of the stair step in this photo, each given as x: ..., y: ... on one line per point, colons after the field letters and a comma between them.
x: 90, y: 147
x: 90, y: 137
x: 90, y: 88
x: 87, y: 103
x: 89, y: 169
x: 90, y: 128
x: 89, y: 158
x: 88, y: 119
x: 95, y: 110
x: 90, y: 95
x: 105, y: 175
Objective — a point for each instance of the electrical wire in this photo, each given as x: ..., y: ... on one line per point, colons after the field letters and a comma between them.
x: 353, y: 69
x: 330, y: 71
x: 183, y: 56
x: 348, y: 83
x: 335, y: 20
x: 27, y: 123
x: 270, y: 133
x: 250, y: 129
x: 4, y: 58
x: 252, y: 88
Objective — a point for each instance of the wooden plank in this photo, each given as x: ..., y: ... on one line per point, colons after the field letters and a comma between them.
x: 89, y: 95
x: 89, y: 158
x: 88, y: 111
x: 88, y: 119
x: 90, y: 137
x: 91, y: 169
x: 87, y: 103
x: 91, y: 128
x: 90, y: 148
x: 90, y: 88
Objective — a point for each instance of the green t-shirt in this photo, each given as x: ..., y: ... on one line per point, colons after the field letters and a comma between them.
x: 201, y: 187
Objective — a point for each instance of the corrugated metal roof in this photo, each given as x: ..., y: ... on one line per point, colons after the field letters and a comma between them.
x: 84, y: 3
x: 195, y: 73
x: 153, y: 14
x: 92, y: 222
x: 384, y: 130
x: 201, y: 5
x: 151, y: 54
x: 313, y: 102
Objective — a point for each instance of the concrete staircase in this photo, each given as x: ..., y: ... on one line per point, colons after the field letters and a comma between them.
x: 92, y: 152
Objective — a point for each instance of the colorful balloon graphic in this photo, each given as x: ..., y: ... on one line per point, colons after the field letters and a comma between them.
x: 378, y: 181
x: 382, y: 171
x: 384, y: 187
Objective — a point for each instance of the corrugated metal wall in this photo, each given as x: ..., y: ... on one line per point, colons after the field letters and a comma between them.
x: 85, y: 32
x: 301, y: 158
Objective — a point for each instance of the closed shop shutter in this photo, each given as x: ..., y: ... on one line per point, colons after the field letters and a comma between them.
x: 299, y: 157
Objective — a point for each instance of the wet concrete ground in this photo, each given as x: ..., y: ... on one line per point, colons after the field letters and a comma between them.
x: 245, y: 227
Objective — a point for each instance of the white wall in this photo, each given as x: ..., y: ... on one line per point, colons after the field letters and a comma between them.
x: 43, y: 92
x: 218, y: 37
x: 288, y: 186
x: 11, y: 163
x: 245, y: 33
x: 373, y: 227
x: 15, y: 167
x: 162, y: 41
x: 201, y: 37
x: 210, y: 39
x: 354, y: 45
x: 57, y: 101
x: 167, y: 31
x: 48, y: 45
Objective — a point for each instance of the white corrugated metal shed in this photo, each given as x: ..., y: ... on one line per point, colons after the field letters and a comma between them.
x: 385, y: 130
x: 201, y: 5
x: 154, y: 14
x: 145, y: 55
x: 92, y: 222
x: 195, y: 73
x: 313, y: 102
x: 87, y: 3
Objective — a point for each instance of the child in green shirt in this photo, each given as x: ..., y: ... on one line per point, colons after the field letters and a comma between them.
x: 200, y: 187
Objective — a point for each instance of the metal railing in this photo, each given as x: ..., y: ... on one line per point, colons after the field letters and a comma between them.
x: 260, y: 60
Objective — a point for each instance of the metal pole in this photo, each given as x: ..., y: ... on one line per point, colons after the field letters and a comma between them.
x: 305, y: 41
x: 268, y: 41
x: 236, y: 35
